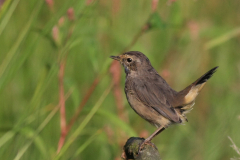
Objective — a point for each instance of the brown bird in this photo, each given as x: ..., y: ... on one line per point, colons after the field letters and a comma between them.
x: 152, y: 98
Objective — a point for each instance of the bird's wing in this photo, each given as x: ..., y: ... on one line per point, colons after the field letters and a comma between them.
x: 152, y: 95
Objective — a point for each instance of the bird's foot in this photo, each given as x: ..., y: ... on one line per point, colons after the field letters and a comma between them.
x: 148, y: 142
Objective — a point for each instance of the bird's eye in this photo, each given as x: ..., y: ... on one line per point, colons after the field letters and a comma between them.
x: 129, y: 60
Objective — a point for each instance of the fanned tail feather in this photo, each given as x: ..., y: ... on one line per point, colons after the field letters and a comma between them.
x: 206, y: 76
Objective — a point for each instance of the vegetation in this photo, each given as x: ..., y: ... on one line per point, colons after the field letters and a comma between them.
x: 62, y: 96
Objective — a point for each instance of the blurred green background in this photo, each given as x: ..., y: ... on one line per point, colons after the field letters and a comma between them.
x: 183, y: 40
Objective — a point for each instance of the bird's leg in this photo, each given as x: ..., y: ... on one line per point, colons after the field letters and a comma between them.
x: 159, y: 130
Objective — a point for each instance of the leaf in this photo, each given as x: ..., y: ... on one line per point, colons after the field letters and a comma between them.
x: 155, y: 21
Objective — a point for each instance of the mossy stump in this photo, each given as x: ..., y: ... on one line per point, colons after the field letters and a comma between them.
x: 130, y: 150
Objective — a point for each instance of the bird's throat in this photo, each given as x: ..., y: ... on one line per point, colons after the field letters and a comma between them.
x: 127, y: 71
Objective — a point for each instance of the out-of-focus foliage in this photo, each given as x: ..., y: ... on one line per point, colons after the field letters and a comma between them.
x: 184, y: 40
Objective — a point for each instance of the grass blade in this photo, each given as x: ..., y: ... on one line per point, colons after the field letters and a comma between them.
x: 39, y: 129
x: 20, y: 39
x: 218, y: 41
x: 6, y: 137
x: 84, y: 145
x: 117, y: 121
x: 8, y: 14
x: 84, y: 123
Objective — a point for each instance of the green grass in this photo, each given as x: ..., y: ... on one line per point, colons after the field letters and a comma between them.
x: 185, y: 39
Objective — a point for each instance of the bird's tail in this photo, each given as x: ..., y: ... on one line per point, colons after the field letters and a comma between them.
x: 205, y: 77
x: 189, y: 94
x: 186, y: 98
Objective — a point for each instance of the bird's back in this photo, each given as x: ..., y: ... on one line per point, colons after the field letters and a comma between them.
x: 152, y: 78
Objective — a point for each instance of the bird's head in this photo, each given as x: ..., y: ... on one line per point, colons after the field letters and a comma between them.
x: 133, y: 62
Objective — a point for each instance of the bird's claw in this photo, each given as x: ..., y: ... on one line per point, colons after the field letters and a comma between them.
x: 143, y: 144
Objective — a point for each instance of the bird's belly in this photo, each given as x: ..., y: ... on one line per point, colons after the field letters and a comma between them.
x: 147, y: 113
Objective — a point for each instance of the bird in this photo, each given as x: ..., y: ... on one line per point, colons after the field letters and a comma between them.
x: 151, y: 97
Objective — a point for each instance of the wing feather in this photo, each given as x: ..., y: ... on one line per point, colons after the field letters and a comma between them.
x: 153, y: 96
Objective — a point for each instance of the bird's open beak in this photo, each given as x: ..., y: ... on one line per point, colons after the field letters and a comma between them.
x: 118, y: 58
